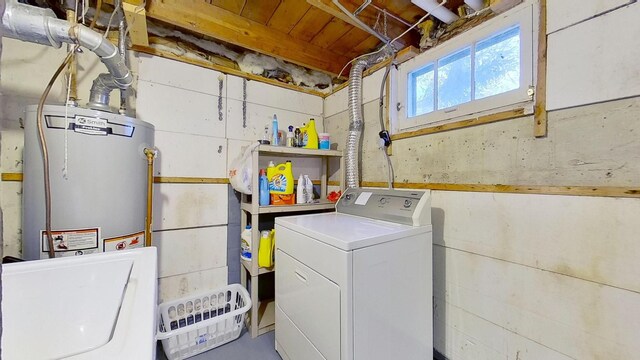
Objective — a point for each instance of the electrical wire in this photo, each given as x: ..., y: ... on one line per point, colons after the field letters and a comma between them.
x: 116, y: 10
x: 96, y: 15
x: 384, y: 146
x: 45, y: 153
x: 390, y: 174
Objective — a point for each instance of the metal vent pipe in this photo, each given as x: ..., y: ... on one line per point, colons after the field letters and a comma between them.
x: 356, y: 120
x: 34, y: 24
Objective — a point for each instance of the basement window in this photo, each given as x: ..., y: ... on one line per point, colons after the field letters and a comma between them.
x: 487, y: 69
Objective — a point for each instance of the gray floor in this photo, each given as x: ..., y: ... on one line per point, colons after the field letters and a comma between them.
x: 244, y: 348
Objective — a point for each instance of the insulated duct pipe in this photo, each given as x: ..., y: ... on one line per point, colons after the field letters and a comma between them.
x: 122, y: 48
x: 355, y: 116
x: 38, y: 25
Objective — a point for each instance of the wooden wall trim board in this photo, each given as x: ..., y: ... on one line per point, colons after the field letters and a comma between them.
x: 540, y: 109
x: 189, y: 180
x: 604, y: 191
x: 11, y: 177
x: 224, y: 69
x: 478, y: 120
x: 601, y: 191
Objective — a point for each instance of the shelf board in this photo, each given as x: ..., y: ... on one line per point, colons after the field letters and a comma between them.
x: 266, y: 316
x: 290, y: 208
x: 294, y: 151
x: 247, y: 265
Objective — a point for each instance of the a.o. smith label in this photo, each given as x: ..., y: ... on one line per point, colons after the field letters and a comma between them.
x: 91, y: 126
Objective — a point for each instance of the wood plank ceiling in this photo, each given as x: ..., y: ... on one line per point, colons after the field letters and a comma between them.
x: 311, y: 33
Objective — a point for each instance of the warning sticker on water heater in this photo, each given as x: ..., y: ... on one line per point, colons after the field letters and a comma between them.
x: 124, y: 242
x: 91, y: 126
x: 72, y: 242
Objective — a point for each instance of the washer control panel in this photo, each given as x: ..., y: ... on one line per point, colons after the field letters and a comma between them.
x: 399, y: 206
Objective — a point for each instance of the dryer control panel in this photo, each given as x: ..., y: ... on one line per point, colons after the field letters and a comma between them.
x: 399, y: 206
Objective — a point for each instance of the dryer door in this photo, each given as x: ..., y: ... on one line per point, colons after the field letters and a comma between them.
x: 311, y: 302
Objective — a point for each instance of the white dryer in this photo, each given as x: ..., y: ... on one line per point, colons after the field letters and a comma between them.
x: 356, y: 284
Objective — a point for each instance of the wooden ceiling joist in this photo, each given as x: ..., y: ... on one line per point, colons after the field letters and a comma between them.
x: 224, y: 25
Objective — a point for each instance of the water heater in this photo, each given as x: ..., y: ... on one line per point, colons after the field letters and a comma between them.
x: 98, y: 173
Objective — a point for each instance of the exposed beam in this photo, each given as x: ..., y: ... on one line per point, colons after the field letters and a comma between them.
x: 224, y: 25
x: 330, y: 8
x: 137, y: 22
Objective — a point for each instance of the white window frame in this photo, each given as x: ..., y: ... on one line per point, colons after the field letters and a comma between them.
x: 522, y: 15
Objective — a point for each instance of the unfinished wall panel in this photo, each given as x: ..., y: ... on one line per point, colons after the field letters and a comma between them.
x: 268, y: 95
x: 595, y: 61
x: 565, y: 13
x: 190, y: 250
x: 178, y: 206
x: 180, y: 110
x: 184, y: 155
x: 259, y: 116
x: 178, y: 286
x: 180, y: 75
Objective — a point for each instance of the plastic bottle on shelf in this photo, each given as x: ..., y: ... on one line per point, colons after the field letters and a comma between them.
x: 276, y: 137
x: 264, y: 188
x: 308, y: 189
x: 290, y: 141
x: 265, y: 251
x: 310, y: 135
x: 300, y: 191
x: 271, y: 168
x: 297, y: 138
x: 245, y: 244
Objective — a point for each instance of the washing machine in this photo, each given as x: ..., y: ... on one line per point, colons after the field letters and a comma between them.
x: 356, y: 284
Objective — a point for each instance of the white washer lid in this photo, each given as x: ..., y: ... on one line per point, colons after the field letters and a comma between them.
x: 348, y: 232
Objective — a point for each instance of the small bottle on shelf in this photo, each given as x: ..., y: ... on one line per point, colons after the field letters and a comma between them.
x: 300, y: 191
x: 264, y: 188
x: 308, y: 190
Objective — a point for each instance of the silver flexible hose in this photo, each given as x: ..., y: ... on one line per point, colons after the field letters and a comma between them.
x: 354, y: 100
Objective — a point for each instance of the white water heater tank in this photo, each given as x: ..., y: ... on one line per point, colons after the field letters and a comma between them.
x: 98, y: 194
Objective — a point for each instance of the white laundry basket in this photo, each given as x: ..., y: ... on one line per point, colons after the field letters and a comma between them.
x: 201, y: 322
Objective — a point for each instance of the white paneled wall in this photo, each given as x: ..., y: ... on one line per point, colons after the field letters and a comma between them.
x: 564, y: 13
x: 190, y: 220
x: 596, y: 60
x: 262, y: 102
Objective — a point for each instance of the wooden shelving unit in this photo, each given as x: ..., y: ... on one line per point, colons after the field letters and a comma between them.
x: 264, y: 309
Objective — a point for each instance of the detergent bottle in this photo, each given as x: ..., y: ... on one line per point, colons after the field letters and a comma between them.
x: 310, y: 135
x: 265, y: 251
x: 280, y: 178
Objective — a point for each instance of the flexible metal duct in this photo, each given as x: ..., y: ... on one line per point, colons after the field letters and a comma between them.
x: 355, y: 117
x: 33, y: 24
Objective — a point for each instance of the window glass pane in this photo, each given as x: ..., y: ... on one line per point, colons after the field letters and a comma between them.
x: 497, y: 64
x: 454, y: 79
x: 421, y: 93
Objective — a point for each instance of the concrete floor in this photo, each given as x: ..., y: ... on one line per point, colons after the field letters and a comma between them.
x: 244, y: 348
